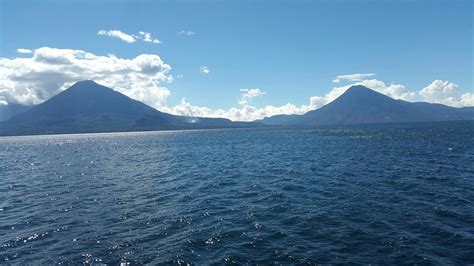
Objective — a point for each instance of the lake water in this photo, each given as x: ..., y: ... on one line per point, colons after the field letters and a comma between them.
x: 358, y: 194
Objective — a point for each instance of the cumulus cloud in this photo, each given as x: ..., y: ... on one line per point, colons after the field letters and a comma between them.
x: 245, y: 112
x: 248, y: 94
x: 352, y: 77
x: 186, y: 32
x: 204, y: 70
x: 438, y: 91
x: 24, y: 51
x: 445, y: 92
x: 130, y: 38
x: 118, y: 34
x: 466, y: 99
x: 48, y: 71
x: 146, y: 36
x: 248, y: 112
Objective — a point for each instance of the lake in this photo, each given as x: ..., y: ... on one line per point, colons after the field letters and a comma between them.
x: 402, y: 193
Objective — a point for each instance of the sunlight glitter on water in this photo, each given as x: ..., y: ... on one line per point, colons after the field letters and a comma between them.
x: 248, y: 196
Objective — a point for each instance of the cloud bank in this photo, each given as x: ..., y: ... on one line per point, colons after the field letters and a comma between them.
x: 439, y: 92
x: 47, y: 71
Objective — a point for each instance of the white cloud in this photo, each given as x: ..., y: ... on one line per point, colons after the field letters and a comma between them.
x: 118, y: 34
x: 248, y: 94
x: 352, y: 77
x: 204, y: 70
x: 146, y: 36
x: 148, y: 92
x: 249, y: 113
x: 445, y: 92
x: 130, y: 38
x: 187, y: 109
x: 438, y: 90
x: 48, y: 71
x: 24, y: 51
x: 186, y: 32
x: 466, y: 99
x: 244, y: 113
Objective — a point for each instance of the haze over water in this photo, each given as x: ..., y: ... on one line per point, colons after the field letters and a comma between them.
x: 335, y: 195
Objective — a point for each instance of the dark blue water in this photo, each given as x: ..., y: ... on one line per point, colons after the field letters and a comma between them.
x: 379, y: 195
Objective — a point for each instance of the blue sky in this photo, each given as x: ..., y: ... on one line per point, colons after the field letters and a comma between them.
x: 290, y: 50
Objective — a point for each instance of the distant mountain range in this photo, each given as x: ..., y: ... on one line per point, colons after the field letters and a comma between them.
x: 88, y: 107
x: 361, y: 105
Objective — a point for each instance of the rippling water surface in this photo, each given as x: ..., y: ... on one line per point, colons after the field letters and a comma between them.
x: 380, y: 195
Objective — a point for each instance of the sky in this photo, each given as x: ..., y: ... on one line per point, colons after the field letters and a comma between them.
x: 242, y: 60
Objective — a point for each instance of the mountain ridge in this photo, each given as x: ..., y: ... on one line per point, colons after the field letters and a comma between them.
x: 360, y: 105
x: 88, y: 107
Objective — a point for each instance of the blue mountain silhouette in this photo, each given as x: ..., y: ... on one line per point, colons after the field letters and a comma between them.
x: 89, y: 107
x: 361, y: 105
